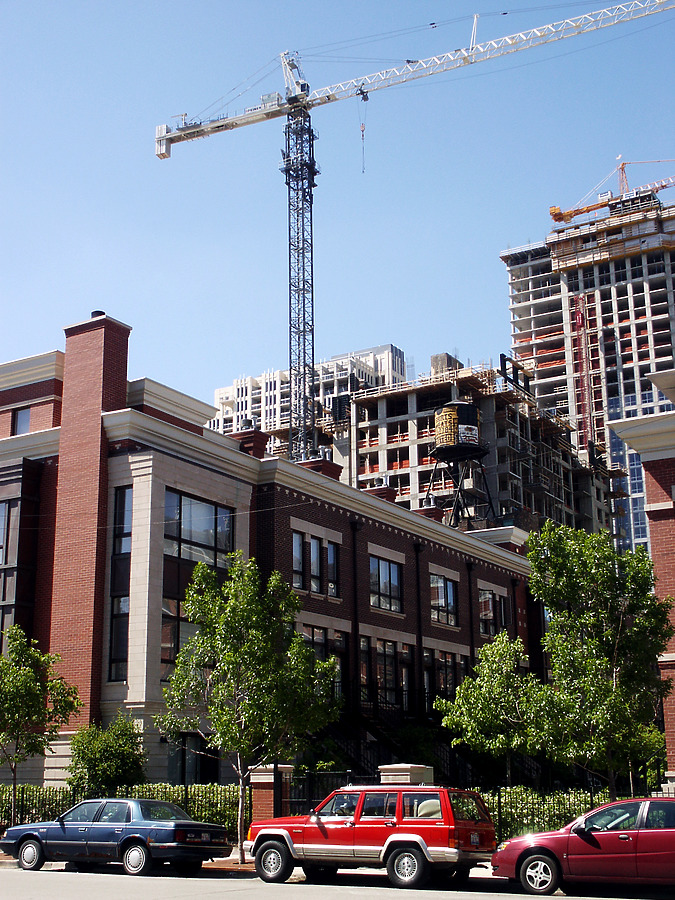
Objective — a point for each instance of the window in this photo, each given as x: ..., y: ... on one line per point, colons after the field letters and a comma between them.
x: 315, y: 565
x: 378, y: 805
x: 495, y: 612
x: 340, y: 805
x: 120, y: 573
x: 385, y: 584
x: 486, y: 605
x: 316, y: 638
x: 445, y: 673
x: 661, y: 814
x: 443, y: 600
x: 298, y: 567
x: 386, y: 672
x: 197, y: 530
x: 425, y: 805
x: 4, y: 521
x: 364, y: 668
x: 332, y: 556
x: 622, y: 817
x: 21, y: 420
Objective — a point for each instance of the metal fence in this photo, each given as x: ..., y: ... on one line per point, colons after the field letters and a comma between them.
x: 216, y: 803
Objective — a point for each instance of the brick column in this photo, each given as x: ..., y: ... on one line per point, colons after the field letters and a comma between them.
x: 262, y: 791
x: 95, y: 381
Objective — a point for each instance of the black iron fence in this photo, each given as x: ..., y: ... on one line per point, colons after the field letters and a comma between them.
x: 216, y: 803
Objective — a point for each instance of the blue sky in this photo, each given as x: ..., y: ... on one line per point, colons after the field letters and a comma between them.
x: 192, y: 251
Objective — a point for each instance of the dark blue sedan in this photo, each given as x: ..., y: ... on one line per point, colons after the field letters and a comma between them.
x: 136, y: 833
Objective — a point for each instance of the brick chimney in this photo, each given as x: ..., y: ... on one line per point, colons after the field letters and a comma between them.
x: 95, y: 381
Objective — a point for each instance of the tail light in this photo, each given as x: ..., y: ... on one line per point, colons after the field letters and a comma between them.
x: 452, y: 841
x: 179, y: 835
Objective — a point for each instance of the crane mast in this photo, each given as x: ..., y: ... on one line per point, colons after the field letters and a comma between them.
x: 300, y: 168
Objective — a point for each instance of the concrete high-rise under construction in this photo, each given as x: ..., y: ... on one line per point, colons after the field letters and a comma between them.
x: 593, y: 313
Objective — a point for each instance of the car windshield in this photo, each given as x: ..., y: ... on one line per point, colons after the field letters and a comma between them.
x: 160, y: 810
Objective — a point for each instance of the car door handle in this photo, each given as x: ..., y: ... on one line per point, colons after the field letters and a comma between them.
x: 349, y: 824
x: 118, y: 831
x: 625, y: 837
x: 81, y: 829
x: 390, y: 824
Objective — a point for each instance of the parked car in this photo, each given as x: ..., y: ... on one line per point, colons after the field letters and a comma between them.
x: 136, y: 833
x: 411, y: 829
x: 630, y: 841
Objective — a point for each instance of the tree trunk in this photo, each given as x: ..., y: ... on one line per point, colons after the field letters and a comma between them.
x: 13, y: 769
x: 241, y: 772
x: 611, y: 777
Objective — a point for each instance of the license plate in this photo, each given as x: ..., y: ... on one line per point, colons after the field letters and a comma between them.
x: 475, y: 839
x: 206, y: 836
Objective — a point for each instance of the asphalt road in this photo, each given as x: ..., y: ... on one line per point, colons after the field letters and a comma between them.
x: 110, y: 883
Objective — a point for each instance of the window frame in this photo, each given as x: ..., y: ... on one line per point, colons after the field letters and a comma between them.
x: 179, y: 532
x: 298, y: 560
x: 445, y: 610
x: 381, y: 598
x: 118, y: 644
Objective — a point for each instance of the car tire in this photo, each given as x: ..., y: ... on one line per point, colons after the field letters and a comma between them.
x: 540, y: 874
x: 31, y: 855
x: 273, y: 862
x: 407, y: 867
x: 319, y: 874
x: 136, y: 859
x: 186, y: 867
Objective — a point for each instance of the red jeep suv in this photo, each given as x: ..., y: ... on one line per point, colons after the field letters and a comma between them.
x: 411, y: 829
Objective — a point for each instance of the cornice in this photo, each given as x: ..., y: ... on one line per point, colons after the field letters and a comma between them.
x: 32, y: 370
x: 653, y: 437
x: 363, y: 505
x: 169, y: 401
x: 34, y: 445
x: 208, y: 449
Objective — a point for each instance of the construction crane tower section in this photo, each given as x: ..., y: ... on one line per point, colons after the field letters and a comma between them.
x: 300, y: 169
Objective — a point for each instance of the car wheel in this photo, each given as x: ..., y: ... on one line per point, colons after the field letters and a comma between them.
x: 136, y: 859
x: 31, y: 855
x: 540, y: 874
x: 407, y: 868
x: 186, y: 867
x: 273, y: 862
x: 319, y: 874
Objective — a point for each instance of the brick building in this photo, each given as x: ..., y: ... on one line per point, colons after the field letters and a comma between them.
x: 111, y: 489
x: 653, y: 437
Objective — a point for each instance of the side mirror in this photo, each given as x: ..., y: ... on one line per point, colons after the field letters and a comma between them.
x: 580, y: 828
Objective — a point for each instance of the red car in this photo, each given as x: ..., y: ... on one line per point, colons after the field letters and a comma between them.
x: 630, y: 841
x: 412, y: 830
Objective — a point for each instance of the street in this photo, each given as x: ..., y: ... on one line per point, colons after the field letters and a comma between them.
x: 111, y: 884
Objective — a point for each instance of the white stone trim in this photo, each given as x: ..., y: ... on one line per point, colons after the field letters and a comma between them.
x: 309, y: 529
x: 450, y: 574
x: 386, y: 553
x: 488, y: 586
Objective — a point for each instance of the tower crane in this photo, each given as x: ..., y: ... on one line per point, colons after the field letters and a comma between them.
x: 300, y: 168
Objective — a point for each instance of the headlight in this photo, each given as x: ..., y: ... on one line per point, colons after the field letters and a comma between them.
x: 503, y: 845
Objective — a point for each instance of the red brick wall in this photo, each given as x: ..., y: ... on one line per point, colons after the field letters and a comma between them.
x: 95, y: 380
x: 44, y: 399
x: 659, y: 482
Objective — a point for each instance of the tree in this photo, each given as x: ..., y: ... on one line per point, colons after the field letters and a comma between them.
x: 247, y: 682
x: 105, y: 759
x: 35, y: 702
x: 493, y: 711
x: 606, y: 630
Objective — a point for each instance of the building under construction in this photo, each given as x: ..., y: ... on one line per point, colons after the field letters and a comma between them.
x: 526, y: 468
x: 592, y: 314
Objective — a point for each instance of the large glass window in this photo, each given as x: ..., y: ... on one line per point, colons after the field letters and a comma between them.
x: 21, y: 420
x: 386, y: 671
x: 443, y: 600
x: 332, y: 556
x: 315, y: 564
x: 120, y: 572
x: 197, y: 530
x: 445, y: 674
x: 298, y: 562
x: 364, y: 668
x: 316, y: 638
x: 385, y: 584
x: 495, y: 612
x: 4, y: 519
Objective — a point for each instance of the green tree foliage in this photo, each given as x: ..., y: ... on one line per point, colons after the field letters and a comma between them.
x: 247, y: 682
x: 493, y: 711
x: 105, y: 759
x: 35, y: 702
x: 605, y: 632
